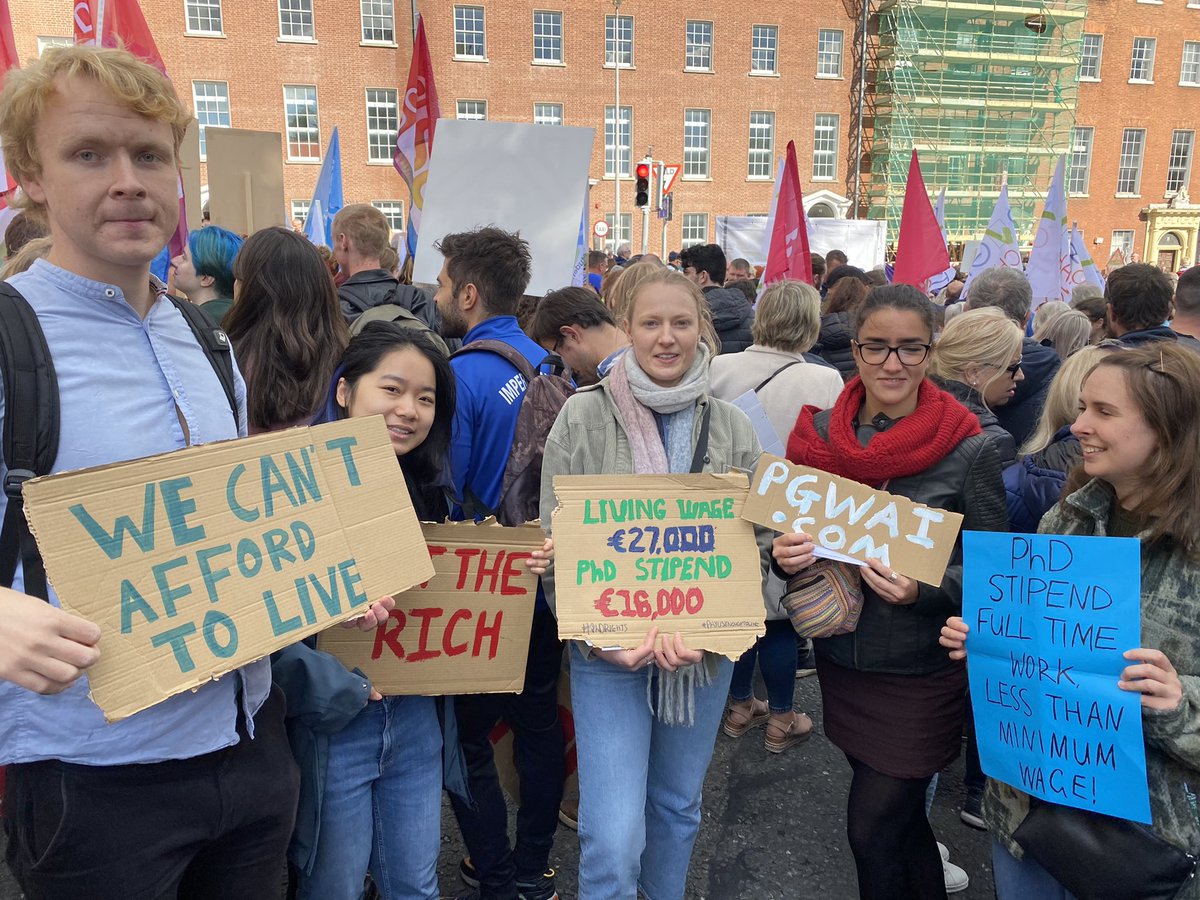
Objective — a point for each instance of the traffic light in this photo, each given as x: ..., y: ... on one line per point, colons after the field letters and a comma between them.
x: 642, y: 186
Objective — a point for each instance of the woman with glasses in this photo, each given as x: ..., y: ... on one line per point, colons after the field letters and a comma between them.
x: 892, y: 701
x: 978, y: 362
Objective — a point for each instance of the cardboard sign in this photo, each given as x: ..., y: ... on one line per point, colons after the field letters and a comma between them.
x: 635, y: 551
x: 530, y: 179
x: 245, y: 178
x: 196, y: 562
x: 852, y: 522
x: 1050, y: 618
x: 466, y: 630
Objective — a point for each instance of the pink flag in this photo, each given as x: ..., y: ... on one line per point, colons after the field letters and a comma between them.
x: 789, y: 256
x: 921, y: 249
x: 8, y: 60
x: 414, y: 136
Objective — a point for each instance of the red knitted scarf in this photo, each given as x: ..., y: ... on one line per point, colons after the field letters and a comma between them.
x: 912, y: 445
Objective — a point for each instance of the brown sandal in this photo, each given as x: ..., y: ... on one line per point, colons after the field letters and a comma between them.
x: 780, y: 737
x: 741, y: 716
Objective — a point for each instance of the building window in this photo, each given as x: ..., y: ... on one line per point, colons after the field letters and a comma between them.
x: 695, y: 229
x: 393, y: 211
x: 1179, y: 166
x: 1122, y: 240
x: 44, y: 43
x: 472, y: 109
x: 300, y: 210
x: 382, y: 122
x: 618, y: 141
x: 696, y: 142
x: 296, y: 20
x: 698, y: 51
x: 203, y: 16
x: 825, y: 147
x: 1141, y: 63
x: 1080, y: 169
x: 468, y: 33
x: 618, y: 236
x: 618, y: 40
x: 378, y: 22
x: 764, y: 46
x: 829, y: 53
x: 210, y: 99
x: 1189, y: 72
x: 303, y: 127
x: 1089, y: 57
x: 762, y: 144
x: 547, y: 36
x: 547, y: 114
x: 1129, y: 171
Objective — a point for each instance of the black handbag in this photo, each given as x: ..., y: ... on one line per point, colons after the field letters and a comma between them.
x: 1099, y: 857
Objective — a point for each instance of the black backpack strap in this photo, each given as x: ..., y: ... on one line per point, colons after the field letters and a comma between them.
x: 501, y: 348
x: 762, y: 384
x: 700, y: 456
x: 31, y: 426
x: 216, y: 346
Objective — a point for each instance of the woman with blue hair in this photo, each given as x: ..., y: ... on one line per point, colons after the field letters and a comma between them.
x: 204, y: 270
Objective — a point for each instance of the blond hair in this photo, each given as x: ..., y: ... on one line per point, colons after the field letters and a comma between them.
x: 1065, y: 333
x: 653, y: 274
x: 618, y: 292
x: 976, y: 339
x: 30, y: 252
x: 1062, y: 398
x: 366, y: 227
x: 27, y: 92
x: 1047, y: 313
x: 788, y: 317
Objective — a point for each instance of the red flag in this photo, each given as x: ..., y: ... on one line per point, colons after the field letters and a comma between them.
x: 921, y: 248
x: 414, y: 136
x: 8, y: 60
x: 788, y: 256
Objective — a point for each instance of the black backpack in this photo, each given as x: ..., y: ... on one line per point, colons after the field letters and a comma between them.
x: 31, y: 417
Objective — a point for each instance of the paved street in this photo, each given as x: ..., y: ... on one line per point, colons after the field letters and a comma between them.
x: 774, y: 826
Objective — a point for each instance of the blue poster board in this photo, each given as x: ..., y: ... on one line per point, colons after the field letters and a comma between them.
x: 1050, y: 617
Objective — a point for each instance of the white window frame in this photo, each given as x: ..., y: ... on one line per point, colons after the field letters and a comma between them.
x: 464, y: 38
x: 615, y: 41
x: 1097, y: 58
x: 1180, y: 168
x: 547, y: 113
x: 389, y: 208
x: 618, y: 141
x: 1143, y: 74
x: 697, y: 144
x: 825, y: 158
x: 297, y: 11
x: 1124, y: 167
x: 385, y: 12
x: 1192, y: 49
x: 300, y: 210
x: 769, y: 44
x: 551, y: 34
x: 693, y: 223
x: 825, y: 55
x: 699, y: 48
x: 203, y: 111
x: 760, y: 161
x: 300, y: 129
x: 46, y: 41
x: 383, y: 119
x: 1122, y: 238
x: 202, y: 10
x: 618, y: 236
x: 1080, y: 160
x: 477, y: 114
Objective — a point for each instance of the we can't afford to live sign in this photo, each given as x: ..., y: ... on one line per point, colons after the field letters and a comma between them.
x: 657, y: 550
x: 196, y: 562
x: 1051, y: 617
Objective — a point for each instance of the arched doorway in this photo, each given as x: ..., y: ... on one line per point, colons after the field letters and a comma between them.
x: 821, y: 210
x: 1170, y: 246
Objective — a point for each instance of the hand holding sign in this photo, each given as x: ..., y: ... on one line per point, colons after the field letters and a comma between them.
x: 43, y: 648
x: 1155, y: 679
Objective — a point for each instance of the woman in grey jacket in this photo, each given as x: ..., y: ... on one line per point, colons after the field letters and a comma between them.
x: 642, y: 763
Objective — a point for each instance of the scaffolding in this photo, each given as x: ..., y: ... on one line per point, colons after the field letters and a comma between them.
x: 985, y: 92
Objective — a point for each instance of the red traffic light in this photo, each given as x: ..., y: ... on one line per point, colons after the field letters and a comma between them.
x: 643, y: 170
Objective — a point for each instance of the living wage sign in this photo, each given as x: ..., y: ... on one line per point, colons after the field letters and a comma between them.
x: 852, y: 522
x: 1051, y: 617
x: 196, y: 562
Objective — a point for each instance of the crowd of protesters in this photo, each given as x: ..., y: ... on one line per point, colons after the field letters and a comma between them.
x: 1080, y: 418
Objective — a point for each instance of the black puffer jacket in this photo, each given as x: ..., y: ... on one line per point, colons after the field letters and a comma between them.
x: 732, y: 317
x: 903, y: 640
x: 970, y: 398
x: 1019, y: 416
x: 833, y: 344
x: 375, y: 287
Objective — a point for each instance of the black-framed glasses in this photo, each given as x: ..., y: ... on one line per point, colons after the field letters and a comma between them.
x: 1013, y: 369
x: 908, y: 354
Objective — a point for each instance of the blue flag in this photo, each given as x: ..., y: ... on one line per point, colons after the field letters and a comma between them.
x: 327, y: 198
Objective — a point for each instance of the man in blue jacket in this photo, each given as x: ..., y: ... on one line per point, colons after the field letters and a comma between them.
x: 483, y: 277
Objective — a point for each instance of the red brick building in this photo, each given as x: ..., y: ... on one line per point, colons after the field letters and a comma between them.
x: 717, y: 88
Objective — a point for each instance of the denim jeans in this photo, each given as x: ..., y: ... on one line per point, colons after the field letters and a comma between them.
x: 639, y: 780
x: 382, y: 805
x: 538, y: 755
x: 775, y: 653
x: 1023, y: 879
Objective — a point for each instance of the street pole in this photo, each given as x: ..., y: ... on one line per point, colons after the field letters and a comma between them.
x: 646, y: 208
x: 617, y: 128
x: 862, y: 98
